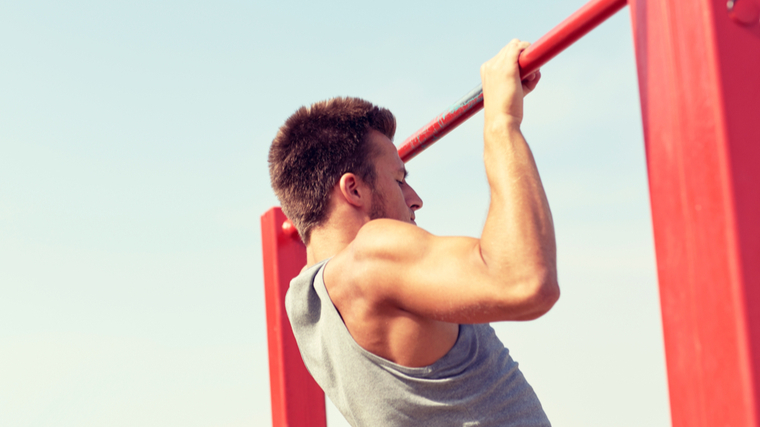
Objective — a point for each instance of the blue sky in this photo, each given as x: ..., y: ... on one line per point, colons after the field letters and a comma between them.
x: 133, y: 142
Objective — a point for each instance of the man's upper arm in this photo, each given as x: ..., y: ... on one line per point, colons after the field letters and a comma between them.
x: 443, y: 278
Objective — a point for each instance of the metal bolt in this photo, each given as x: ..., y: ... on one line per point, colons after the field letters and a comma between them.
x: 289, y: 230
x: 744, y: 12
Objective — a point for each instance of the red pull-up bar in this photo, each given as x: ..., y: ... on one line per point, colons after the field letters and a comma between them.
x: 539, y: 53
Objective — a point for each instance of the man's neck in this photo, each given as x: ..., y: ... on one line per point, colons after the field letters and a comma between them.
x: 326, y: 242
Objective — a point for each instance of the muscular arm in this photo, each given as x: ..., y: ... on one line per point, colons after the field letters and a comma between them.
x: 518, y: 238
x: 507, y: 274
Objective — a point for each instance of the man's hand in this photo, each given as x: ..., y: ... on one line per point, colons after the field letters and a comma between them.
x: 503, y: 90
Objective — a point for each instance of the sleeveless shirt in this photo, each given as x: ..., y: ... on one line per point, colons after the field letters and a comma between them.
x: 475, y: 384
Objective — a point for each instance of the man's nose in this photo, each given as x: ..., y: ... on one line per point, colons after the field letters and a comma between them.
x: 413, y: 200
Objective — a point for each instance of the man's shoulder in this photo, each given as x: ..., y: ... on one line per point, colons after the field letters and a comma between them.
x: 385, y: 237
x: 378, y: 248
x: 385, y: 225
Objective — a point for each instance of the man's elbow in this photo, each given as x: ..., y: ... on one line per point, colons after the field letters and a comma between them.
x: 541, y: 295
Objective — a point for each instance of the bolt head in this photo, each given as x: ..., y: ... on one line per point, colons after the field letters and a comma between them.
x: 744, y: 12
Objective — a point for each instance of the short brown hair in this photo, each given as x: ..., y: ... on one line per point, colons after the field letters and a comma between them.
x: 315, y: 147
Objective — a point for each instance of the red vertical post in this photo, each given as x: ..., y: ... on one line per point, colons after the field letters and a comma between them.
x: 297, y: 400
x: 699, y: 78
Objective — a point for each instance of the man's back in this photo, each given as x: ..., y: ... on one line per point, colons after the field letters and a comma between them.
x: 475, y: 384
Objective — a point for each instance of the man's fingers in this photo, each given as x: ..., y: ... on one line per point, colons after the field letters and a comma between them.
x: 508, y: 56
x: 530, y: 83
x: 533, y: 76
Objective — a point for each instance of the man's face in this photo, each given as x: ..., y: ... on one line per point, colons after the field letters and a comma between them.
x: 392, y: 197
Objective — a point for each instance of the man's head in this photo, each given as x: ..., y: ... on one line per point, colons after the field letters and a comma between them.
x: 315, y: 147
x: 392, y: 197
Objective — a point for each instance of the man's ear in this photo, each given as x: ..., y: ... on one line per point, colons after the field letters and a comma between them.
x: 353, y: 190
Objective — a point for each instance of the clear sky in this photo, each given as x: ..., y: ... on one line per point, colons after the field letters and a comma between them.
x: 133, y: 143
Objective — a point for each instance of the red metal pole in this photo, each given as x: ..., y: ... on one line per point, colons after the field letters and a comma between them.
x: 297, y: 400
x: 699, y: 76
x: 539, y: 53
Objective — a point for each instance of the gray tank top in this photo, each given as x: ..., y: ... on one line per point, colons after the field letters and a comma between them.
x: 475, y: 384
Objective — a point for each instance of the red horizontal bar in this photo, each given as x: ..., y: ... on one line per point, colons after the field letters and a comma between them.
x: 539, y: 53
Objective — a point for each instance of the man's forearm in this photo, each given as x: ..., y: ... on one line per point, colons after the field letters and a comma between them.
x: 518, y: 238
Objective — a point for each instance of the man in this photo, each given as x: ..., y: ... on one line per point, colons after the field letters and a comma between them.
x: 391, y: 320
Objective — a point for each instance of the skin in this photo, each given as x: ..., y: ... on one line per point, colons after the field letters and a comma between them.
x: 401, y: 291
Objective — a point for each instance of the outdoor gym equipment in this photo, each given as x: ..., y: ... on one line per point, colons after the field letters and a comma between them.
x: 698, y: 64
